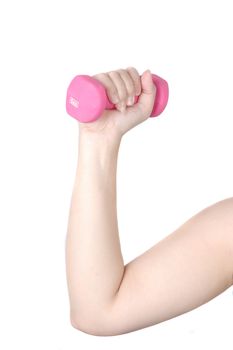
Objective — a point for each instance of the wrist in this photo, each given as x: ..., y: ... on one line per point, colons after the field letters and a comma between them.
x: 98, y: 148
x: 99, y: 141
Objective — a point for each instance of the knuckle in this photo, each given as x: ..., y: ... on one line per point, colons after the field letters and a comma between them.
x: 133, y: 71
x: 113, y: 73
x: 121, y: 70
x: 99, y: 75
x: 131, y: 68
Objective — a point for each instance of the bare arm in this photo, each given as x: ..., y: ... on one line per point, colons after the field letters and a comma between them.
x: 95, y: 265
x: 186, y: 269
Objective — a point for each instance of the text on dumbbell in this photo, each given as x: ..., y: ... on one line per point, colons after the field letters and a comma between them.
x: 73, y: 102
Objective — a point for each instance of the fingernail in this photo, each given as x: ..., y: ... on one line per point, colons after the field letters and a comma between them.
x: 147, y: 71
x: 130, y: 101
x: 121, y: 107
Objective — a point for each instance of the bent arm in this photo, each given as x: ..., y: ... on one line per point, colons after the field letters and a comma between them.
x: 183, y: 271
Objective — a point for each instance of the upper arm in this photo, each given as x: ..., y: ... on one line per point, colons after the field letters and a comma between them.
x: 181, y: 272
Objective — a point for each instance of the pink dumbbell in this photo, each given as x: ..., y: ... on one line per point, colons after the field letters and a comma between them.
x: 87, y: 99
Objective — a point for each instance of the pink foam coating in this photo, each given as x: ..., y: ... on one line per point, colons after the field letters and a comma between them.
x: 86, y: 98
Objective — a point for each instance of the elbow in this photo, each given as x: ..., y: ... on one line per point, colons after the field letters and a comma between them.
x: 88, y: 329
x: 78, y: 324
x: 98, y: 326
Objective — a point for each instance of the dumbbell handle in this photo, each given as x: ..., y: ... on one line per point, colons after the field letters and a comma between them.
x: 86, y: 98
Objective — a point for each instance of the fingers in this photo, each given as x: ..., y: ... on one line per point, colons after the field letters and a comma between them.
x: 110, y: 87
x: 129, y: 86
x: 121, y: 85
x: 147, y: 98
x: 136, y: 79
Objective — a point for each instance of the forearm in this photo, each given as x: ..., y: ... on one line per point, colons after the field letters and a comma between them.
x: 94, y: 261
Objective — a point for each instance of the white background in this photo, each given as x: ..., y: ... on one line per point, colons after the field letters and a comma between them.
x: 169, y: 167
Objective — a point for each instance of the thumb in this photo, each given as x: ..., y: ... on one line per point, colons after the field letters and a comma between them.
x: 147, y: 97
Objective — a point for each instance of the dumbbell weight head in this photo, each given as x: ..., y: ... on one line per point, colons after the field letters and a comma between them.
x: 86, y: 98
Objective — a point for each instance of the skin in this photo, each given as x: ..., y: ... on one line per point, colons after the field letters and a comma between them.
x: 186, y: 269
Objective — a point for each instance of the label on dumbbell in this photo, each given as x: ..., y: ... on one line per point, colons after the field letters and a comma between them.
x: 74, y: 102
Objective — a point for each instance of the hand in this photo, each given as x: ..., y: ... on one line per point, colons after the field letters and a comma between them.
x: 121, y: 85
